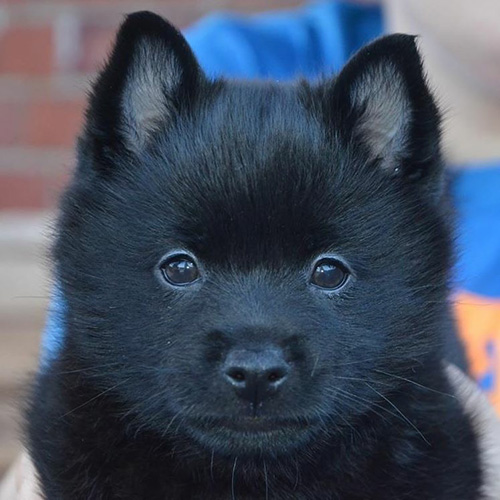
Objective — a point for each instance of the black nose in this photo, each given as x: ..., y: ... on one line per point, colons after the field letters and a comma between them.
x: 255, y: 375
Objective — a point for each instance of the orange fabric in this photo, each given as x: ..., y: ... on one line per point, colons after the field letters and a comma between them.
x: 479, y: 327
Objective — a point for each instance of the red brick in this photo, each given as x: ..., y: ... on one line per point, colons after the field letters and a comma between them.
x: 26, y: 50
x: 98, y: 39
x: 54, y: 123
x: 146, y: 4
x: 12, y: 122
x: 29, y: 191
x: 97, y: 43
x: 54, y: 187
x: 49, y: 161
x: 259, y: 5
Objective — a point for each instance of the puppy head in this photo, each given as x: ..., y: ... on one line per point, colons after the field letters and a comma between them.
x: 247, y: 262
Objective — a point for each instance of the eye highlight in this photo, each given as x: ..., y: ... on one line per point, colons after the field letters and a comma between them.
x: 180, y: 270
x: 329, y: 274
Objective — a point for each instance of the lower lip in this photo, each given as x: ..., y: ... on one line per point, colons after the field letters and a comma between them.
x: 254, y: 426
x: 247, y: 434
x: 252, y: 440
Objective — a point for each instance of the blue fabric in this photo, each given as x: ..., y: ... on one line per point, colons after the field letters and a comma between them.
x: 53, y: 334
x: 310, y: 42
x: 476, y: 193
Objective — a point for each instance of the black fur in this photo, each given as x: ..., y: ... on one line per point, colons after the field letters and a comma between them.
x: 256, y: 181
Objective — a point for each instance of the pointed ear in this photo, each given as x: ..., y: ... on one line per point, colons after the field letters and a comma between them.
x: 380, y: 102
x: 151, y: 74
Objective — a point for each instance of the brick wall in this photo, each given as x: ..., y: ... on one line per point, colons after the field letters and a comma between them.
x: 49, y: 50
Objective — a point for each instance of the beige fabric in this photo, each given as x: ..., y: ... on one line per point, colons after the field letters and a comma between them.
x: 20, y: 482
x: 487, y: 427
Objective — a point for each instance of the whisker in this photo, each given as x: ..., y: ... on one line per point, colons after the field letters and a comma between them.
x: 369, y: 404
x: 233, y: 477
x: 88, y: 369
x: 354, y: 379
x: 94, y: 398
x: 315, y: 365
x: 135, y: 407
x: 365, y: 360
x: 297, y: 475
x: 415, y: 383
x: 212, y: 466
x: 401, y: 413
x: 266, y: 480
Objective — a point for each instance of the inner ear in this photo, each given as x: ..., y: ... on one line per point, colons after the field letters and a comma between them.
x: 148, y: 100
x: 150, y: 77
x: 380, y: 103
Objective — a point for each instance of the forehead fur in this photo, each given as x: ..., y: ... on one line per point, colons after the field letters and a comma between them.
x: 261, y: 178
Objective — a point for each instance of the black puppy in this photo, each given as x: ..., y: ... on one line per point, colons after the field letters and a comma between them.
x: 256, y: 278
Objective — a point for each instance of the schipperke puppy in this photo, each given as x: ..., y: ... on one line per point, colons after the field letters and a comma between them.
x: 256, y: 282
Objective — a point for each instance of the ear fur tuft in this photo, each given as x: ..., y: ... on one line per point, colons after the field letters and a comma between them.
x: 151, y: 74
x: 381, y: 102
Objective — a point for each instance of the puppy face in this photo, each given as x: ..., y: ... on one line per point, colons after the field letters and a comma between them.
x: 249, y: 266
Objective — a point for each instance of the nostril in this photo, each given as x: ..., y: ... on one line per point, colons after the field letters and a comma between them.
x: 276, y: 375
x: 236, y: 375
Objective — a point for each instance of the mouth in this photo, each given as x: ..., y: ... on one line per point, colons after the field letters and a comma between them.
x: 252, y: 436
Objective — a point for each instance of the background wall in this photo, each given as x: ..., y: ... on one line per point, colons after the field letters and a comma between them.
x: 49, y: 50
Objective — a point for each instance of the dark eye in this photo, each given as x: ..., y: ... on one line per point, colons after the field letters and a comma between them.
x: 180, y: 270
x: 329, y: 274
